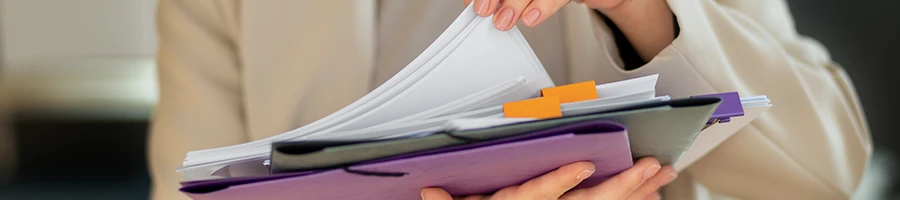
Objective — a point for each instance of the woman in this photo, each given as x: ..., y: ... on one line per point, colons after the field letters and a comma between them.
x: 234, y: 71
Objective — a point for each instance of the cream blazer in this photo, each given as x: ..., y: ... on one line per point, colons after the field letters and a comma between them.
x: 233, y: 71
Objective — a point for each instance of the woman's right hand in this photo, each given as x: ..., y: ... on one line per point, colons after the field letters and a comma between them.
x: 641, y: 181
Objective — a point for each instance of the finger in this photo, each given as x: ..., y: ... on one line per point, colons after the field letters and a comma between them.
x: 539, y: 10
x: 484, y: 8
x: 435, y: 194
x: 554, y: 184
x: 619, y: 186
x: 509, y: 13
x: 466, y: 2
x: 665, y: 175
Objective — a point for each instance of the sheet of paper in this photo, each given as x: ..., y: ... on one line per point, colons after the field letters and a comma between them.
x: 474, y: 123
x: 490, y: 96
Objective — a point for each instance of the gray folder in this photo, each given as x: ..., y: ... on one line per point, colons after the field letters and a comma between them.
x: 664, y: 130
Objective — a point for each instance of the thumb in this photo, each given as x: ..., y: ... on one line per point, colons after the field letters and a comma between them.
x: 435, y: 194
x: 554, y: 184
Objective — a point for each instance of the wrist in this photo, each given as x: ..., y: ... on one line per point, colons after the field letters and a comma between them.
x: 647, y: 24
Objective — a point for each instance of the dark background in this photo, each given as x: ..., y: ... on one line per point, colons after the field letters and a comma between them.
x: 63, y: 158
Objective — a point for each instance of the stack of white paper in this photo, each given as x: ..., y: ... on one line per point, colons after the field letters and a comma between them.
x: 453, y: 71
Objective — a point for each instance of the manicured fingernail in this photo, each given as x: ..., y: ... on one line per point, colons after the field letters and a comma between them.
x: 584, y: 174
x: 669, y: 178
x: 505, y: 17
x: 531, y: 17
x: 650, y: 171
x: 482, y: 8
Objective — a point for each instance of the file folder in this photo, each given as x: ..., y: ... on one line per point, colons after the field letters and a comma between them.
x: 475, y: 169
x: 663, y: 130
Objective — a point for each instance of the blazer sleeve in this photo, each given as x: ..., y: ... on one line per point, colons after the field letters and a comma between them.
x: 199, y: 87
x: 812, y: 144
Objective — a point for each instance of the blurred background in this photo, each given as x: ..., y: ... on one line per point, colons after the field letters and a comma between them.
x: 77, y: 87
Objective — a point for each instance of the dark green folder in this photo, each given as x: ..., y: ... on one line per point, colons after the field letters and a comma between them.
x: 664, y: 130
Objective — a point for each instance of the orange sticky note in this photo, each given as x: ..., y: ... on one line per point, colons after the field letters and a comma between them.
x: 572, y: 92
x: 543, y: 107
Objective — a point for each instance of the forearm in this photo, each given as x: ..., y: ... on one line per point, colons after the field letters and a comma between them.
x: 647, y: 24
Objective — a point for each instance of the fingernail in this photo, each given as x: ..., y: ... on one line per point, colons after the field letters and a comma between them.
x: 423, y: 194
x: 483, y: 7
x: 505, y: 17
x: 584, y: 174
x: 669, y: 178
x: 650, y: 171
x: 531, y: 17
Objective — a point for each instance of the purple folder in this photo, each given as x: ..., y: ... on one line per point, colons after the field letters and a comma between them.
x: 730, y: 107
x: 476, y: 170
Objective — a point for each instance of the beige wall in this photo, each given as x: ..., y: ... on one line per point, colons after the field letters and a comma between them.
x: 79, y: 57
x: 40, y: 29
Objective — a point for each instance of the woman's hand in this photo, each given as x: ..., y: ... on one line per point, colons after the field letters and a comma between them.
x: 641, y: 181
x: 648, y: 24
